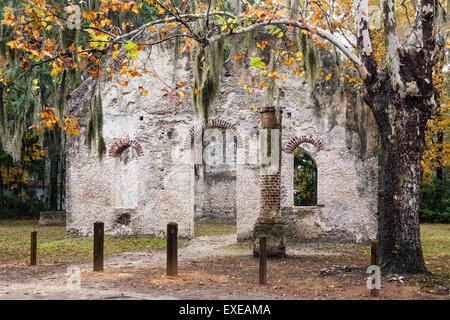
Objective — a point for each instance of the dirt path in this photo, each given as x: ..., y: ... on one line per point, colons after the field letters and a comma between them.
x: 41, y: 283
x: 209, y: 269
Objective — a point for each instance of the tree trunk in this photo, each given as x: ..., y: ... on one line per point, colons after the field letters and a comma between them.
x: 53, y: 191
x: 439, y: 186
x: 402, y: 129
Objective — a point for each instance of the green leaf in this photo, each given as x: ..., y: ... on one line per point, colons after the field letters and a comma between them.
x: 131, y: 46
x: 257, y: 63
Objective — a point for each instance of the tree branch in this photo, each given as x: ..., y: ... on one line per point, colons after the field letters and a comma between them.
x: 188, y: 16
x: 320, y: 32
x: 392, y: 45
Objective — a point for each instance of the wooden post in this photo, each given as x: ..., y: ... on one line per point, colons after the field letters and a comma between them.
x: 99, y: 237
x: 262, y: 260
x: 375, y: 261
x: 33, y: 248
x: 172, y: 249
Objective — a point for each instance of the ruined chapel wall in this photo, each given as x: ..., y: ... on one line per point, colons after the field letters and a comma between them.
x: 170, y: 190
x: 160, y: 183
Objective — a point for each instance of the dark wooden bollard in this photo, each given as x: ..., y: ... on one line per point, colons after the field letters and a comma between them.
x: 172, y: 249
x: 99, y: 237
x: 33, y: 248
x: 262, y: 260
x: 375, y: 261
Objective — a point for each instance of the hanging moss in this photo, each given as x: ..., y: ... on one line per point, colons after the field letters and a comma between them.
x: 249, y: 41
x: 302, y: 43
x: 95, y: 126
x: 310, y: 57
x: 311, y: 62
x: 2, y: 111
x: 69, y: 37
x: 341, y: 94
x: 270, y: 92
x: 101, y: 145
x: 207, y: 70
x: 12, y: 132
x: 226, y: 51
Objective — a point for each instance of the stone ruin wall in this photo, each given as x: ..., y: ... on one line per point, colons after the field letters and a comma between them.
x: 153, y: 187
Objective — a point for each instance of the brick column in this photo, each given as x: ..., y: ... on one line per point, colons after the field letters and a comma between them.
x: 269, y: 224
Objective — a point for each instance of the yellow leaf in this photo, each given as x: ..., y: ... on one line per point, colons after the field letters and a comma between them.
x: 12, y: 44
x: 328, y: 77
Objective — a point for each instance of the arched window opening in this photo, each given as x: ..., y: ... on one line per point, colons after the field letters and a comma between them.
x: 305, y: 179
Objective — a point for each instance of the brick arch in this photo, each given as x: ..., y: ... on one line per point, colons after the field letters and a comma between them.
x: 121, y: 144
x: 296, y: 141
x: 212, y: 123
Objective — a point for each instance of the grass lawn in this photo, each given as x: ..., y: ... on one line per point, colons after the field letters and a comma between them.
x: 210, y: 227
x: 436, y: 247
x: 54, y: 246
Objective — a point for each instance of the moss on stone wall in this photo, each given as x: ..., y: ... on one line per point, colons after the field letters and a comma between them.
x: 310, y: 57
x: 95, y: 126
x: 208, y: 66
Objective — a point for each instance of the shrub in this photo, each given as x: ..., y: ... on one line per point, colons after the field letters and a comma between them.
x: 15, y: 206
x: 435, y: 201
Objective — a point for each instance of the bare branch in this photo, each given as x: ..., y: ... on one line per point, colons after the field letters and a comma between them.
x: 392, y: 44
x: 320, y: 32
x: 171, y: 19
x: 363, y: 41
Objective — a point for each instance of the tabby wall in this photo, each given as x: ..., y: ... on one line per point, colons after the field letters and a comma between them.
x: 147, y: 178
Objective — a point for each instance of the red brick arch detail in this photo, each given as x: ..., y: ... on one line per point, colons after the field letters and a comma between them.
x: 296, y: 141
x: 213, y: 123
x: 121, y: 144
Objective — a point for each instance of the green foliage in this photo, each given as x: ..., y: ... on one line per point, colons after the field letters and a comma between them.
x: 257, y: 63
x: 435, y: 201
x: 15, y: 206
x: 305, y: 179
